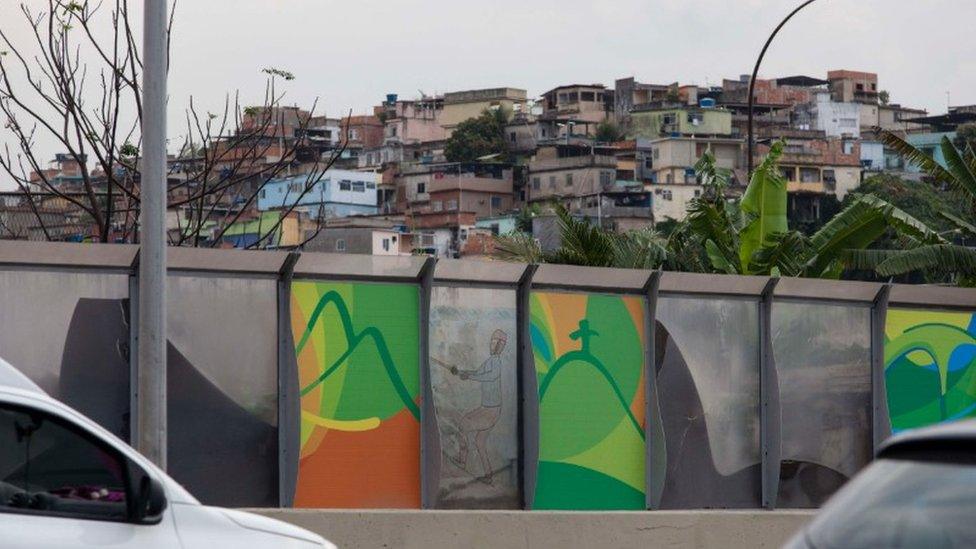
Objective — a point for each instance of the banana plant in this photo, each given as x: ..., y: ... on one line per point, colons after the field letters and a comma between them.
x: 937, y: 255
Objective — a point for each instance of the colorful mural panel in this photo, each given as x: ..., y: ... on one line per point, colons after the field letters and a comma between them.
x: 357, y: 347
x: 589, y: 362
x: 930, y: 367
x: 473, y: 375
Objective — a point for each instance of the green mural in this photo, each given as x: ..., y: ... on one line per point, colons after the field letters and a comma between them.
x: 930, y: 367
x: 589, y: 362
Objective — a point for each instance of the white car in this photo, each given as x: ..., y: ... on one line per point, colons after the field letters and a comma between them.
x: 66, y: 482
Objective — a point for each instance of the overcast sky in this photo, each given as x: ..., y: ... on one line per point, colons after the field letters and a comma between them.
x: 349, y: 54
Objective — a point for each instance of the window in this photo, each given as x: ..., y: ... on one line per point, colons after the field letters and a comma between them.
x: 809, y: 175
x: 452, y: 205
x: 353, y: 134
x: 536, y: 183
x: 667, y: 195
x: 657, y: 154
x: 606, y: 178
x: 828, y: 175
x: 860, y: 87
x: 496, y: 202
x: 294, y: 187
x: 588, y: 96
x: 848, y: 147
x: 371, y: 186
x: 569, y: 180
x: 358, y: 187
x: 386, y: 244
x: 695, y: 118
x: 437, y: 205
x: 670, y: 178
x: 264, y: 193
x: 697, y: 193
x: 340, y: 244
x: 552, y: 182
x: 345, y: 185
x: 513, y: 137
x: 874, y: 86
x: 49, y: 466
x: 421, y: 188
x: 669, y: 118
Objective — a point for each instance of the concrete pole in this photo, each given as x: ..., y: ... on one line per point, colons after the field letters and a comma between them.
x: 151, y: 365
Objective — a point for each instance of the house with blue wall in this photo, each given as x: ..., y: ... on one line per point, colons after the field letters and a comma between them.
x: 338, y: 193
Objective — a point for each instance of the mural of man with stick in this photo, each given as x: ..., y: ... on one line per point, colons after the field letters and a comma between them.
x: 480, y: 420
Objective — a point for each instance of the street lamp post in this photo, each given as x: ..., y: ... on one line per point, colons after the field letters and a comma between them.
x: 755, y: 73
x: 151, y: 356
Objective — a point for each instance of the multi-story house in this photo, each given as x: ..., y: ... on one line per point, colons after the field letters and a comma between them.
x: 463, y: 105
x: 338, y: 193
x: 656, y: 120
x: 667, y: 167
x: 590, y: 104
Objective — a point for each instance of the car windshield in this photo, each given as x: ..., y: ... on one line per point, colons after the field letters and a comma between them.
x: 899, y: 503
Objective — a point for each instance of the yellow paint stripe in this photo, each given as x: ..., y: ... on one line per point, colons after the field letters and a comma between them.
x: 352, y: 426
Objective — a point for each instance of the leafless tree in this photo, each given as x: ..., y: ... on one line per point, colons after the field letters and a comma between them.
x: 77, y: 82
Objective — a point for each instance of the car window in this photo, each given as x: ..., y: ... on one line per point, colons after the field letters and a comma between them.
x: 49, y: 466
x: 900, y: 503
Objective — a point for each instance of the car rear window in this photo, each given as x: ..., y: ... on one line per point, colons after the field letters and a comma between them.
x: 901, y: 503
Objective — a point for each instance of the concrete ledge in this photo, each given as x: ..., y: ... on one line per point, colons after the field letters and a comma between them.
x: 538, y: 529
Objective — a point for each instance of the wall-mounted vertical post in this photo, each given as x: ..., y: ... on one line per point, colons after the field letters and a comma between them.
x: 289, y: 397
x: 653, y: 427
x: 528, y: 391
x: 770, y: 423
x: 429, y: 448
x: 880, y: 420
x: 133, y: 325
x: 151, y: 439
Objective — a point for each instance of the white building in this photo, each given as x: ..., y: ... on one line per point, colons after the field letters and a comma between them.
x: 834, y: 118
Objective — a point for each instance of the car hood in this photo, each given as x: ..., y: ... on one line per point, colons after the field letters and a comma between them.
x: 267, y: 525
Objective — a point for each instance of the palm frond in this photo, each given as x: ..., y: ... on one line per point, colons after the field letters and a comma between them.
x: 518, y: 247
x: 786, y: 253
x: 963, y: 225
x: 946, y: 258
x: 860, y: 224
x: 582, y: 242
x: 866, y: 260
x: 642, y: 249
x: 963, y: 178
x: 710, y: 222
x: 763, y: 207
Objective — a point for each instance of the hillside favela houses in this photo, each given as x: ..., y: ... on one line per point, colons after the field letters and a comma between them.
x: 622, y: 156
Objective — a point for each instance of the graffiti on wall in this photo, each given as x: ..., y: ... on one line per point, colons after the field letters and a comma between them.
x: 589, y: 361
x: 930, y: 367
x: 357, y: 347
x: 473, y: 377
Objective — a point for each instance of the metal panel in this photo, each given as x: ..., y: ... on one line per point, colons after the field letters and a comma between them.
x: 823, y: 361
x: 528, y: 388
x: 712, y: 284
x: 881, y: 421
x: 478, y: 272
x: 429, y: 447
x: 474, y: 381
x: 359, y: 267
x: 222, y: 367
x: 830, y: 290
x: 590, y: 279
x: 263, y: 262
x: 60, y: 254
x: 770, y: 416
x: 289, y: 400
x: 708, y: 377
x: 654, y: 458
x: 932, y: 297
x: 69, y: 333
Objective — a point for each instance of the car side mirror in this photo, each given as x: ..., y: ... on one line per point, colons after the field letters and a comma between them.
x: 150, y: 500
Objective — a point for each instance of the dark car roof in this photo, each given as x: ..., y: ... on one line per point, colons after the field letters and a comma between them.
x: 947, y: 440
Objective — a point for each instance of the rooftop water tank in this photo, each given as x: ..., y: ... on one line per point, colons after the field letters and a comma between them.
x: 391, y: 98
x: 707, y: 103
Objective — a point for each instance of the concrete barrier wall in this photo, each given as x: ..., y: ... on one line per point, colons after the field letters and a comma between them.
x: 682, y: 391
x: 541, y: 530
